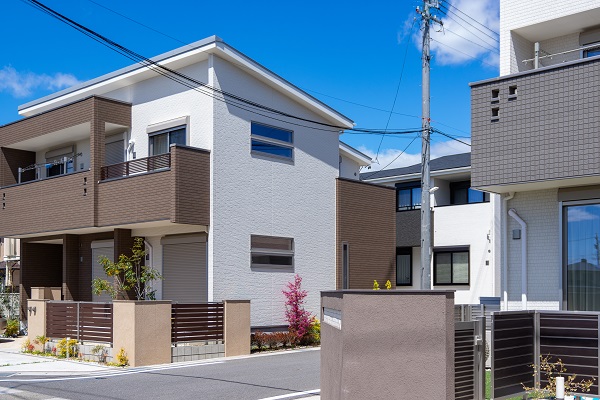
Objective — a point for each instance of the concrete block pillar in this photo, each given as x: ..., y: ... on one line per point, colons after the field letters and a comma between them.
x: 237, y: 327
x: 143, y: 330
x: 36, y: 324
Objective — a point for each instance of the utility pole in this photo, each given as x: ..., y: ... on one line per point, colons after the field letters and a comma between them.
x: 426, y: 235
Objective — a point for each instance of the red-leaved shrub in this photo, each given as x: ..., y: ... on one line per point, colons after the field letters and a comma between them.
x: 297, y: 317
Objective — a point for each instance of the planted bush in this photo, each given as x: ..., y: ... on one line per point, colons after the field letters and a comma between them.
x: 12, y: 328
x: 298, y: 318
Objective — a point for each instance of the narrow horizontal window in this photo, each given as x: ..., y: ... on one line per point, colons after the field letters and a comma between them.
x: 271, y: 252
x: 272, y: 141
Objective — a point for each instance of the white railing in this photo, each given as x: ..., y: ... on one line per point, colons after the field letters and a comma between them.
x: 68, y: 165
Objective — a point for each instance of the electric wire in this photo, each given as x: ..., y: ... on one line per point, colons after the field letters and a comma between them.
x: 447, y: 9
x: 471, y: 18
x: 462, y: 52
x: 407, y: 39
x: 450, y: 137
x: 395, y: 158
x: 445, y: 29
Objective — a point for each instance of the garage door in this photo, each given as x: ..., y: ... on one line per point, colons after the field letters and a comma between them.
x: 184, y: 269
x: 106, y: 249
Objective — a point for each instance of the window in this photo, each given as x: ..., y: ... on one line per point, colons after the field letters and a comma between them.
x: 408, y: 196
x: 582, y: 256
x: 403, y: 266
x: 271, y: 252
x: 272, y: 141
x: 160, y: 141
x: 593, y: 52
x: 451, y: 266
x: 462, y: 193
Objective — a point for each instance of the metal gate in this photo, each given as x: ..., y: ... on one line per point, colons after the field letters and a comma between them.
x: 469, y: 360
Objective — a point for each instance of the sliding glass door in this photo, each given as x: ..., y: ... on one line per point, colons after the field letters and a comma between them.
x: 582, y: 256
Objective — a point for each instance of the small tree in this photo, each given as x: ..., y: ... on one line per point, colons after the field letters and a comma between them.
x: 298, y: 318
x: 128, y: 273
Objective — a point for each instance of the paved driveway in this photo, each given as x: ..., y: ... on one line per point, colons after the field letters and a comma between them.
x: 283, y: 375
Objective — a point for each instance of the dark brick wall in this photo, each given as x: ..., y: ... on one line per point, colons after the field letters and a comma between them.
x: 191, y: 185
x: 10, y: 161
x: 41, y: 266
x: 70, y: 276
x: 548, y: 131
x: 366, y: 219
x: 408, y: 228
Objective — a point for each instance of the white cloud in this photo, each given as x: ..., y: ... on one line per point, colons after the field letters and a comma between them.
x: 438, y: 149
x: 22, y: 84
x: 578, y: 214
x: 462, y: 40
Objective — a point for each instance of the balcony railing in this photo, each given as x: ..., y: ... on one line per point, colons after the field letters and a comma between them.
x: 136, y: 167
x: 60, y: 166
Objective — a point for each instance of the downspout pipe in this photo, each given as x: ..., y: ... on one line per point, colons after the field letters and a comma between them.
x: 505, y: 253
x: 514, y: 214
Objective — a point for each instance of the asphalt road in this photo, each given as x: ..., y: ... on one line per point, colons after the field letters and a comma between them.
x: 253, y: 378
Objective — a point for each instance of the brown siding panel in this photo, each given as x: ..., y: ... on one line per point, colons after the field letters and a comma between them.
x: 192, y: 185
x: 41, y: 267
x: 366, y: 219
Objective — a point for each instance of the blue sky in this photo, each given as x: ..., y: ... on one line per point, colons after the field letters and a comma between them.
x: 349, y: 50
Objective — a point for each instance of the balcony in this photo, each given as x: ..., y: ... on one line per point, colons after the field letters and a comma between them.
x: 537, y: 129
x: 156, y: 163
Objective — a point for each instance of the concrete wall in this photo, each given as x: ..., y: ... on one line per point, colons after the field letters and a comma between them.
x: 264, y: 196
x: 516, y: 14
x: 391, y: 345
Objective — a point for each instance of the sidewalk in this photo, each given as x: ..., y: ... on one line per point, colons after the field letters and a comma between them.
x: 13, y: 362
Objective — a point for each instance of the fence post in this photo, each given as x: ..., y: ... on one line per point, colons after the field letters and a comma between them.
x: 236, y: 326
x: 536, y: 346
x: 36, y: 318
x: 78, y: 321
x: 480, y: 358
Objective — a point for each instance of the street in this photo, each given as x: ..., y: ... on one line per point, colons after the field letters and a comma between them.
x: 269, y: 376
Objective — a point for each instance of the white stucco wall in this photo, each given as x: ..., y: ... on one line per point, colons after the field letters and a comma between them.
x: 160, y: 99
x: 259, y: 195
x: 470, y: 225
x: 349, y: 168
x: 539, y: 209
x: 517, y: 13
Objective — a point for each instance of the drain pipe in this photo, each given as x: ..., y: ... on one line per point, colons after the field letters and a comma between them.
x: 505, y: 253
x: 514, y: 214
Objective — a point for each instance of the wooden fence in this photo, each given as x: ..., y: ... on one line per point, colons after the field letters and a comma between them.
x: 197, y: 322
x: 84, y: 321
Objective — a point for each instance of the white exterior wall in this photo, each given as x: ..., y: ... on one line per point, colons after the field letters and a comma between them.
x: 539, y: 210
x: 349, y: 168
x: 155, y: 251
x: 470, y: 225
x: 260, y: 195
x: 517, y: 13
x: 160, y: 99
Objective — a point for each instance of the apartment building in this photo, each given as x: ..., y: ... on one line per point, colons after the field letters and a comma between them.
x: 535, y: 141
x: 10, y: 268
x: 465, y: 231
x: 230, y: 202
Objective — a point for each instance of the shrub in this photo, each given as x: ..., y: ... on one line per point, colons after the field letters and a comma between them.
x: 272, y: 340
x: 375, y: 285
x: 12, y: 328
x: 62, y: 346
x: 551, y: 370
x: 100, y: 352
x: 122, y: 359
x: 388, y: 285
x: 297, y: 317
x: 259, y: 340
x: 41, y: 340
x: 315, y: 331
x: 27, y: 346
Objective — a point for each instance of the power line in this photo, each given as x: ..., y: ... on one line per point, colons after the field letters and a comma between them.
x: 138, y: 22
x: 462, y: 52
x: 467, y: 22
x: 397, y: 88
x: 390, y: 163
x: 472, y: 41
x: 471, y: 18
x: 451, y: 137
x: 181, y: 78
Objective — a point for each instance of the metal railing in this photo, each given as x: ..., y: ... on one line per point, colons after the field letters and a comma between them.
x: 519, y: 338
x: 37, y: 172
x: 197, y: 322
x: 135, y: 167
x: 84, y: 321
x: 470, y: 312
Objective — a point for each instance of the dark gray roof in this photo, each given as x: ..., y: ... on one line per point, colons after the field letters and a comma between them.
x: 437, y: 164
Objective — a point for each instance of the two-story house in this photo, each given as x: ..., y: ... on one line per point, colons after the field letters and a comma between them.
x: 465, y: 231
x: 535, y: 141
x: 231, y: 201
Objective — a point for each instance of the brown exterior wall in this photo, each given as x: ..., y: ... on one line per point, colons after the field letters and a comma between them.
x: 70, y: 277
x: 366, y: 220
x: 44, y: 268
x: 11, y: 160
x: 49, y: 205
x: 191, y: 185
x: 391, y: 343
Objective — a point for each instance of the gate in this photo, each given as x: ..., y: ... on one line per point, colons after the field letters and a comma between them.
x: 83, y: 321
x: 469, y: 360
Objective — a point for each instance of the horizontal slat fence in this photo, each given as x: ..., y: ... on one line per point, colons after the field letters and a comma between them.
x: 197, y: 322
x: 519, y: 338
x: 137, y: 166
x: 86, y: 322
x: 469, y: 360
